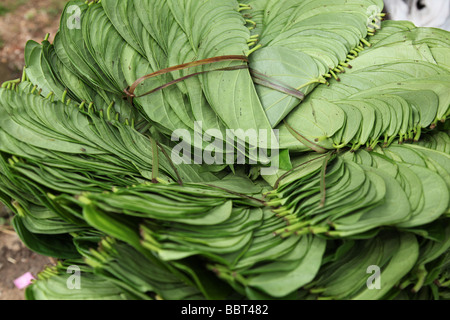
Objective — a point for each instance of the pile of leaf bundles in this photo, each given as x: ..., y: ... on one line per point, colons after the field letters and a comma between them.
x: 361, y: 109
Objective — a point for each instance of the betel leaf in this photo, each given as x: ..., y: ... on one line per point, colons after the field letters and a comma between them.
x: 281, y: 284
x: 92, y: 164
x: 296, y: 70
x: 57, y: 246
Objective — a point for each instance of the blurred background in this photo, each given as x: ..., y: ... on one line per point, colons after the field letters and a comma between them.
x: 424, y: 13
x: 22, y: 20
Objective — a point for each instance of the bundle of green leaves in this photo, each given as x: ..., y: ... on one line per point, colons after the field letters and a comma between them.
x: 361, y: 107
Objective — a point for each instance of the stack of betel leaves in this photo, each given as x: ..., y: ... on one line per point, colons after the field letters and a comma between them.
x: 350, y: 114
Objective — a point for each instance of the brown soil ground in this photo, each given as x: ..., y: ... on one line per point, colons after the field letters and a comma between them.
x: 20, y: 21
x: 16, y: 260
